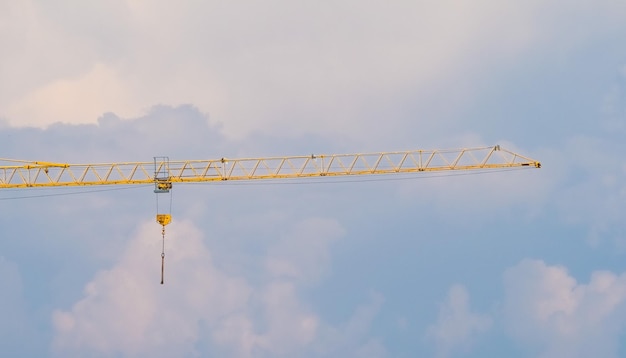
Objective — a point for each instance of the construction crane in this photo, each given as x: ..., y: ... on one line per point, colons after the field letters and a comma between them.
x: 163, y: 173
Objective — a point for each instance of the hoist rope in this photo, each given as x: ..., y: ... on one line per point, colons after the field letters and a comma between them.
x: 163, y: 254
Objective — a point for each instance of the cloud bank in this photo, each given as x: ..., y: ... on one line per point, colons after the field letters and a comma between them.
x: 551, y: 314
x: 201, y: 309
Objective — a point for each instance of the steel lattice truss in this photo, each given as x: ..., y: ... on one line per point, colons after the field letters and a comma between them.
x: 22, y: 174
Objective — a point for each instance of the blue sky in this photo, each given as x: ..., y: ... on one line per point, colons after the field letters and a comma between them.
x: 518, y: 264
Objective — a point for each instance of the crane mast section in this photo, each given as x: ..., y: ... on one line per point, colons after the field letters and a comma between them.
x: 46, y: 174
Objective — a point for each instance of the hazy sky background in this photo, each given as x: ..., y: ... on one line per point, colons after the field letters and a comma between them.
x: 518, y: 264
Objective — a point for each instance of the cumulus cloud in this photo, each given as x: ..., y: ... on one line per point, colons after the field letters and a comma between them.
x: 203, y: 309
x: 553, y: 315
x: 289, y: 326
x: 284, y: 66
x: 126, y: 310
x: 457, y: 326
x: 82, y: 98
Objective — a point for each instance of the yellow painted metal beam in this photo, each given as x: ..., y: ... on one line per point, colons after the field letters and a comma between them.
x: 45, y: 174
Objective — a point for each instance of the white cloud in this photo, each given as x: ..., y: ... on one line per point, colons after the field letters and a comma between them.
x: 457, y: 326
x: 80, y: 99
x: 126, y: 311
x: 549, y: 312
x: 289, y: 327
x: 279, y: 66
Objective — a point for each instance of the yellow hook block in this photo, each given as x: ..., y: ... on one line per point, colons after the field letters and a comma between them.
x: 164, y: 219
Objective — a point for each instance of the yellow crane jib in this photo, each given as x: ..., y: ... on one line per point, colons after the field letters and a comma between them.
x: 162, y: 172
